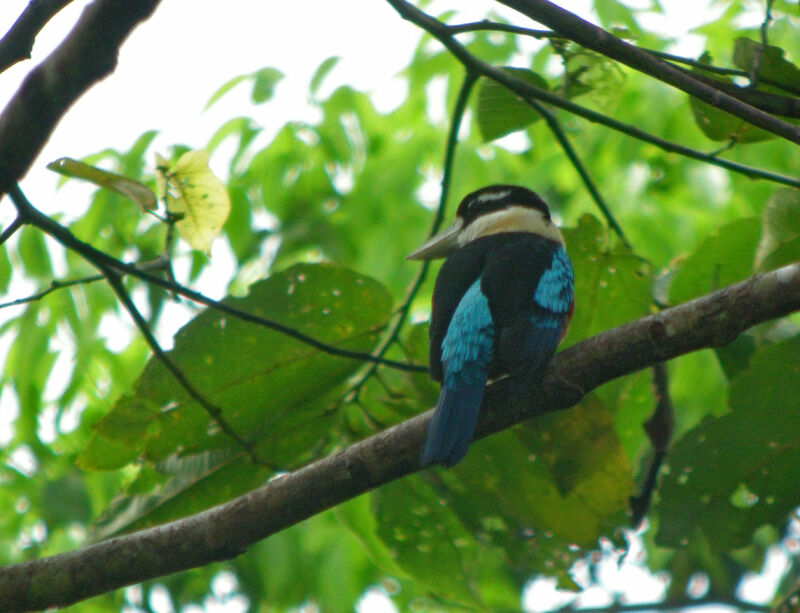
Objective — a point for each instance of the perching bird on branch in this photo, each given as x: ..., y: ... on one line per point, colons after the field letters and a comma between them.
x: 501, y: 304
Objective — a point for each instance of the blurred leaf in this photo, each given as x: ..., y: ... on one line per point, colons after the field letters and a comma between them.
x: 614, y: 14
x: 781, y: 230
x: 732, y: 474
x: 773, y: 65
x: 521, y: 503
x: 592, y: 74
x: 499, y: 111
x: 195, y: 196
x: 34, y: 254
x: 322, y: 71
x: 137, y: 192
x: 65, y: 501
x: 430, y: 543
x: 724, y: 258
x: 189, y: 485
x: 264, y: 81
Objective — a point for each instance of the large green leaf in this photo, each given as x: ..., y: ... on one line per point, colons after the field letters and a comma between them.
x: 273, y: 390
x: 431, y: 543
x: 500, y: 111
x: 724, y: 258
x: 612, y: 286
x: 732, y: 474
x: 531, y: 499
x: 781, y: 230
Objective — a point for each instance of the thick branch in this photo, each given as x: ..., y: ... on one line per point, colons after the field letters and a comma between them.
x: 17, y: 44
x: 597, y: 39
x: 85, y: 57
x: 227, y: 530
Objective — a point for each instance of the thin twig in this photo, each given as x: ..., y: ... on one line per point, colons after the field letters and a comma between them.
x: 758, y: 56
x: 676, y: 604
x: 659, y: 428
x: 214, y: 412
x: 555, y: 128
x: 422, y: 272
x: 54, y: 285
x: 526, y: 90
x: 57, y: 284
x: 102, y: 260
x: 10, y: 230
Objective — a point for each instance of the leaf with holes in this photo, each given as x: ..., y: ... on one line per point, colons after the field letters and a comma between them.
x: 277, y: 392
x: 730, y: 475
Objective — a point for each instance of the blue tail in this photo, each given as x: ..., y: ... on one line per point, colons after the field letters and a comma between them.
x: 453, y: 425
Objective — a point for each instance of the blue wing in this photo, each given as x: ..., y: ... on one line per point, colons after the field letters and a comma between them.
x: 553, y: 301
x: 466, y: 353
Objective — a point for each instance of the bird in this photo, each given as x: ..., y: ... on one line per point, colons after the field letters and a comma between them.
x: 501, y: 304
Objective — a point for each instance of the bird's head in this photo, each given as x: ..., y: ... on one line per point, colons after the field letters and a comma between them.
x: 491, y: 210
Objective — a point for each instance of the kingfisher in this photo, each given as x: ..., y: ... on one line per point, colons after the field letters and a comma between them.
x: 501, y: 304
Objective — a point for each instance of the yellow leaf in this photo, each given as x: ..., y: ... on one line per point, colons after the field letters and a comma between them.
x: 195, y: 196
x: 138, y: 192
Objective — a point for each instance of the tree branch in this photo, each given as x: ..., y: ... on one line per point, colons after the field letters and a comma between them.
x: 85, y: 57
x: 17, y: 43
x: 441, y: 32
x: 101, y: 260
x: 582, y: 171
x: 226, y: 531
x: 597, y: 39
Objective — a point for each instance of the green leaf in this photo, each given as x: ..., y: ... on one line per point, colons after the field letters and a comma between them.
x: 587, y: 72
x: 530, y: 499
x: 195, y: 196
x: 773, y: 65
x: 615, y: 14
x: 33, y: 253
x: 356, y: 515
x: 184, y: 486
x: 612, y: 286
x: 719, y: 125
x: 431, y: 544
x: 500, y: 111
x: 781, y: 230
x: 322, y: 71
x: 263, y: 80
x: 139, y: 193
x: 259, y: 378
x: 65, y: 501
x: 724, y: 258
x: 732, y: 474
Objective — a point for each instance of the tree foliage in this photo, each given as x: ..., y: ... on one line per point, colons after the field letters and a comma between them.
x: 663, y: 197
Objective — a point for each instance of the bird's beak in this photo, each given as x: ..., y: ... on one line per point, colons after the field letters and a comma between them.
x: 439, y: 245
